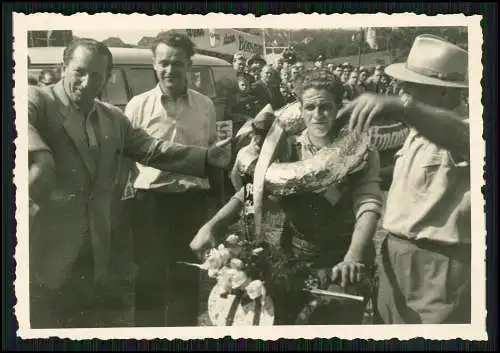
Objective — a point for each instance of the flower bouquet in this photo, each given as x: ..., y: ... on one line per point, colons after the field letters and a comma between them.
x: 246, y: 272
x: 249, y: 274
x: 239, y: 296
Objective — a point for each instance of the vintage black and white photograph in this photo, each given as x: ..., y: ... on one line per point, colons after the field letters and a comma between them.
x: 187, y: 177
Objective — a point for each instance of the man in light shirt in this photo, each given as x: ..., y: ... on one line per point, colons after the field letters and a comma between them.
x: 170, y: 207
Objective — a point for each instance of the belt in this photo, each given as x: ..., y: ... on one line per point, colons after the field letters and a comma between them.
x: 456, y: 251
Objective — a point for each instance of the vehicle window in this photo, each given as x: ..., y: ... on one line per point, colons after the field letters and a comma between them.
x: 140, y: 80
x: 34, y: 72
x: 202, y: 81
x: 115, y: 91
x: 225, y: 80
x: 33, y: 76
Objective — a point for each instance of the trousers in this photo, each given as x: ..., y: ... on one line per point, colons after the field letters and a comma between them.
x: 422, y: 283
x: 80, y: 302
x: 167, y: 293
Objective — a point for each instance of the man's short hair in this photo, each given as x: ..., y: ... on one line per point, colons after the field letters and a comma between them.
x: 175, y: 40
x: 94, y: 46
x: 320, y: 79
x: 256, y: 58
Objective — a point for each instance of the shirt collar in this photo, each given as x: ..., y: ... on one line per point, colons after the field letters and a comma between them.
x: 186, y: 97
x: 305, y: 142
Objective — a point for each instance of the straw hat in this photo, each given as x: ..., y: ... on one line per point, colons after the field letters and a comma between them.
x: 433, y: 61
x: 246, y: 313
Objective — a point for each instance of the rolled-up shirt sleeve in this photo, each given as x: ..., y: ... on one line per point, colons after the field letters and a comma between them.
x: 366, y: 194
x: 240, y: 195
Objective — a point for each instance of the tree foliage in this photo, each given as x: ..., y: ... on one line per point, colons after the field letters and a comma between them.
x: 115, y: 42
x: 336, y: 43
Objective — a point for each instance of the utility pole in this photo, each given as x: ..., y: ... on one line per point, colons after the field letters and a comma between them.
x: 264, y: 41
x: 360, y: 41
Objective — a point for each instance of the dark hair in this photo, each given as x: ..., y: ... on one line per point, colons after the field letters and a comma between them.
x: 320, y: 79
x: 94, y: 46
x: 175, y: 40
x: 256, y: 58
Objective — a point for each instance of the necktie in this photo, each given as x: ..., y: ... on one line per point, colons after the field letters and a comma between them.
x: 91, y: 136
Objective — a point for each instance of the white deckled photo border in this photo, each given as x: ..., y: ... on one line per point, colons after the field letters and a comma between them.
x: 118, y: 22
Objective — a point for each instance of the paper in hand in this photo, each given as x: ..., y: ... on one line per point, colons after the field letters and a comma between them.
x: 224, y: 129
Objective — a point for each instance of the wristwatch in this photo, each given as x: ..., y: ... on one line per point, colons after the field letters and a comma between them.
x: 407, y: 102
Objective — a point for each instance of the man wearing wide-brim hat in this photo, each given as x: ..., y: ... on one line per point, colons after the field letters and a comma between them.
x: 425, y: 255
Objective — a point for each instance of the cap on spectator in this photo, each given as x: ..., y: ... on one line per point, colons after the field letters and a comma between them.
x: 290, y: 56
x: 256, y: 58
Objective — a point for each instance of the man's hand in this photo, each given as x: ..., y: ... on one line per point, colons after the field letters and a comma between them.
x: 203, y: 240
x: 368, y: 106
x: 219, y: 155
x: 42, y: 175
x: 348, y: 271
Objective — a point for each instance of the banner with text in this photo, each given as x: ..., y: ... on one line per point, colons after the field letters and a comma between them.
x: 225, y: 41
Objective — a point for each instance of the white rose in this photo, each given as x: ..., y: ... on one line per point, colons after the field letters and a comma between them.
x: 239, y: 279
x: 225, y: 255
x: 214, y: 260
x: 237, y: 264
x: 212, y: 272
x: 255, y: 289
x: 224, y: 280
x: 257, y: 250
x: 232, y: 239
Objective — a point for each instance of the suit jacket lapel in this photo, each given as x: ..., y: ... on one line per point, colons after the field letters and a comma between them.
x: 107, y: 144
x: 74, y: 127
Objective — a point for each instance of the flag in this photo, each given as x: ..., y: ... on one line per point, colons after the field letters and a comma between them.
x: 371, y: 38
x: 358, y: 36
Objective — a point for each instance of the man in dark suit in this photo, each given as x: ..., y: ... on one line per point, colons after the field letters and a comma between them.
x: 267, y: 89
x: 80, y: 144
x: 373, y: 82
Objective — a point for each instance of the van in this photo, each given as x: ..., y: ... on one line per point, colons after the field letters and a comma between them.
x: 133, y: 74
